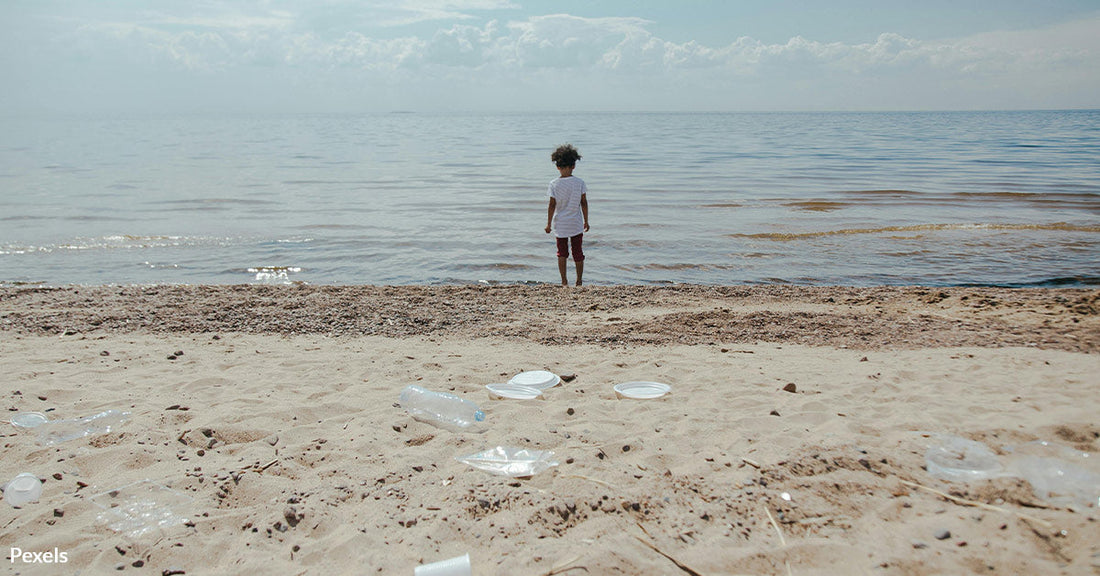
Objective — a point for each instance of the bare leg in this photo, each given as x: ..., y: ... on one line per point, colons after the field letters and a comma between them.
x: 561, y: 269
x: 580, y: 270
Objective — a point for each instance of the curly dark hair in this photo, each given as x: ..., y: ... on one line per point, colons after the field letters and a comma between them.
x: 565, y: 155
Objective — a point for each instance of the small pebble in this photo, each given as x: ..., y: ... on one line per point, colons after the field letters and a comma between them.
x: 104, y: 353
x: 918, y: 545
x: 790, y: 388
x: 943, y: 534
x: 775, y: 412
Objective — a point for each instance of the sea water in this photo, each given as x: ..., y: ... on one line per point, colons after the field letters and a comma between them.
x: 933, y: 198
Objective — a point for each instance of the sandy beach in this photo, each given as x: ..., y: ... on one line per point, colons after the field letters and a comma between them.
x: 264, y: 423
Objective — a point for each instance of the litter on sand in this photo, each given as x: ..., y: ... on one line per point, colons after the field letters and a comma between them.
x: 141, y: 508
x: 510, y: 461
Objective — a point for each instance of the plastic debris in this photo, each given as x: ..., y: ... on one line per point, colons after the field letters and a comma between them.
x: 23, y: 489
x: 1059, y: 475
x: 457, y: 566
x: 141, y: 508
x: 510, y: 461
x: 956, y: 458
x: 58, y: 431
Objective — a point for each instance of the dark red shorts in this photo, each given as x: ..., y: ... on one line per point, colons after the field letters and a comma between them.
x: 575, y: 241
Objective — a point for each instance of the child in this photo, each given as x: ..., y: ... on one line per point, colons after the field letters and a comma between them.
x: 567, y: 213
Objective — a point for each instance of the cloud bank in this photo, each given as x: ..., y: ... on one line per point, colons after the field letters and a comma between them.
x: 361, y: 60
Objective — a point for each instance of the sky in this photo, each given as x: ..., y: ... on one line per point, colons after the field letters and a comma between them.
x: 319, y: 56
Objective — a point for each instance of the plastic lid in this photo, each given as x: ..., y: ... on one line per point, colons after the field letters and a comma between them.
x: 642, y: 390
x: 540, y: 379
x: 29, y: 419
x: 513, y: 391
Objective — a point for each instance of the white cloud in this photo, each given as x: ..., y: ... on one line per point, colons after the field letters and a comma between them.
x: 339, y: 45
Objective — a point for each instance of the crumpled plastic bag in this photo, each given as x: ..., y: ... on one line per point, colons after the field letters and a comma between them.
x: 141, y: 508
x: 510, y: 461
x: 1058, y: 474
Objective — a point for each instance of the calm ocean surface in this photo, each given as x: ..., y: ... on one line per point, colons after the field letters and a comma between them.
x: 992, y: 198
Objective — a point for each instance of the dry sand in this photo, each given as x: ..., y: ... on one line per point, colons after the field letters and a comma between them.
x: 279, y: 423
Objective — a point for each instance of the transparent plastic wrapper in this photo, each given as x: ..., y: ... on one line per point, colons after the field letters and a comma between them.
x: 510, y: 461
x: 58, y: 431
x: 141, y: 508
x: 958, y: 459
x: 1059, y: 474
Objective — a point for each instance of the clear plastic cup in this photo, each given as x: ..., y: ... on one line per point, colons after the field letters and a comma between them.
x: 457, y: 566
x: 22, y: 489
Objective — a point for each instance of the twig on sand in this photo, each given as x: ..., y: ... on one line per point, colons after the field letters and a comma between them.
x: 678, y: 564
x: 563, y: 567
x: 752, y: 463
x: 589, y: 479
x: 269, y: 465
x: 982, y: 505
x: 782, y: 540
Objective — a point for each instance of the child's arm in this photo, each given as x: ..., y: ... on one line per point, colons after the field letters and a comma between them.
x: 584, y: 210
x: 550, y: 213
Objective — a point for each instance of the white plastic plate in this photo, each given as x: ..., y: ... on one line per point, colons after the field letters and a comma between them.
x: 513, y: 391
x: 642, y: 390
x: 540, y: 379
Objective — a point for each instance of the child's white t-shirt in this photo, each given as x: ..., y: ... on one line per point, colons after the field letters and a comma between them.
x: 568, y: 219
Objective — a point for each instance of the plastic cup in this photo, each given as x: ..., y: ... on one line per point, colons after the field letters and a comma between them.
x: 22, y: 489
x: 457, y: 566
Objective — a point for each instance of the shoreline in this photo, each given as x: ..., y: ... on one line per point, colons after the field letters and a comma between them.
x: 876, y: 317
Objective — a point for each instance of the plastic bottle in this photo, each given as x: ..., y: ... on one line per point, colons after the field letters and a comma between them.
x: 57, y: 431
x: 440, y: 408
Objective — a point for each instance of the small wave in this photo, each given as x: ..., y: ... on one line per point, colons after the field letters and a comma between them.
x: 675, y: 267
x: 817, y: 205
x: 274, y: 274
x: 722, y: 205
x: 209, y: 204
x: 883, y: 193
x: 495, y: 266
x: 788, y: 236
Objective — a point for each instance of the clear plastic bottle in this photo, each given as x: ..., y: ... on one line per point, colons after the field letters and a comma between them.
x: 57, y: 431
x: 441, y: 409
